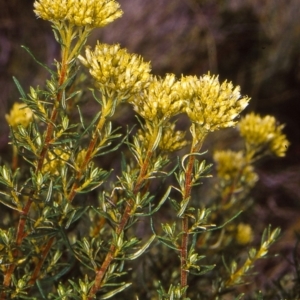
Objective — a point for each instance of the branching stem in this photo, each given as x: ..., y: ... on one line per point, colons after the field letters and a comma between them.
x: 21, y: 234
x: 88, y: 156
x: 196, y: 146
x: 128, y: 212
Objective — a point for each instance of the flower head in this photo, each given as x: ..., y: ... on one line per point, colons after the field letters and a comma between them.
x: 263, y: 134
x: 20, y: 114
x: 55, y: 160
x: 116, y: 71
x: 233, y: 167
x: 210, y: 104
x: 160, y: 100
x: 171, y: 139
x: 92, y: 13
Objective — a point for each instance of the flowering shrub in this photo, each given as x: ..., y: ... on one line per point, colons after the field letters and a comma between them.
x: 57, y: 243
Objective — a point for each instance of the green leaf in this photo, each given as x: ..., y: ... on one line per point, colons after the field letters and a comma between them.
x: 224, y: 224
x: 183, y: 205
x: 161, y: 202
x: 37, y: 61
x: 142, y: 250
x: 205, y: 269
x: 116, y: 291
x: 39, y: 286
x: 168, y: 243
x: 19, y: 87
x: 86, y: 130
x: 240, y: 296
x: 49, y: 193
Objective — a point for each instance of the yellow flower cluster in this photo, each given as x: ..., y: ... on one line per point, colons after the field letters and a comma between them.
x: 20, y: 114
x: 233, y: 166
x: 263, y: 134
x: 171, y: 139
x: 92, y: 13
x: 115, y: 71
x: 210, y: 104
x: 55, y: 160
x: 160, y: 101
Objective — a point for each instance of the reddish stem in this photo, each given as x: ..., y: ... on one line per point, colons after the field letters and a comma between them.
x: 22, y: 221
x: 88, y: 157
x: 20, y: 236
x: 100, y: 273
x: 40, y: 263
x: 185, y: 222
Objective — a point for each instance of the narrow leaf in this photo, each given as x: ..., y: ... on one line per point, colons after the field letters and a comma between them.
x: 21, y: 91
x: 38, y: 62
x: 143, y: 249
x: 116, y: 291
x: 48, y: 197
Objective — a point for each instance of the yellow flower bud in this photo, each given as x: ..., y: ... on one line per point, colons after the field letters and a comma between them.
x: 244, y: 234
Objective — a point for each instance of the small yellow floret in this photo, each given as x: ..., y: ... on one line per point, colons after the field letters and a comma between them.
x: 263, y: 134
x: 244, y: 234
x: 20, y: 114
x: 92, y: 13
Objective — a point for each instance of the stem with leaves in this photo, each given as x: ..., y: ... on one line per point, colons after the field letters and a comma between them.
x: 89, y: 154
x: 237, y: 275
x: 129, y: 211
x: 68, y: 55
x: 186, y: 196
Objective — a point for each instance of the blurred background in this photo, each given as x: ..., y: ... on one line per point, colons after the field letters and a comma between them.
x: 253, y: 43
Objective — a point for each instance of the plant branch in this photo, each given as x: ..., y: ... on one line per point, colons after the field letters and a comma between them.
x: 196, y: 146
x: 111, y: 255
x: 48, y: 137
x: 40, y: 263
x: 88, y: 156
